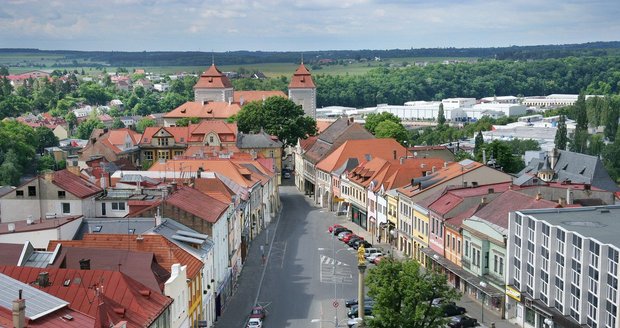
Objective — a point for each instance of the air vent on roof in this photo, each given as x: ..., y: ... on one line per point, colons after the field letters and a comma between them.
x: 11, y: 227
x: 66, y: 283
x: 604, y: 210
x: 67, y: 317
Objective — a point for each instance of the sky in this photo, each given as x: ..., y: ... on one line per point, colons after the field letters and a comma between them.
x: 302, y: 25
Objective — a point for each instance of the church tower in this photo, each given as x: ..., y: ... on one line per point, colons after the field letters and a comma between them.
x: 213, y: 85
x: 302, y: 90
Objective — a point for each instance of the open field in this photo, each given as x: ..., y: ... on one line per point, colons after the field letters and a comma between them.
x: 23, y: 62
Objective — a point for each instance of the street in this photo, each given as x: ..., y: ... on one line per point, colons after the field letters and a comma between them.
x: 304, y: 273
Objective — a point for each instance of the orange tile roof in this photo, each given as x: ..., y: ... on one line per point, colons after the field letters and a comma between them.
x: 74, y: 184
x: 254, y: 95
x: 440, y: 176
x: 363, y: 150
x: 219, y: 127
x: 117, y: 136
x: 141, y: 306
x: 301, y: 78
x: 178, y: 132
x: 215, y: 188
x: 166, y: 252
x: 308, y: 142
x: 213, y: 78
x: 210, y: 110
x: 198, y: 203
x: 391, y: 174
x: 225, y: 167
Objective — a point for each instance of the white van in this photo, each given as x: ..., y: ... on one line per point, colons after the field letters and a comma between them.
x: 370, y: 251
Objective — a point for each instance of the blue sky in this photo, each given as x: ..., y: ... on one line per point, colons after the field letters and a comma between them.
x: 301, y: 25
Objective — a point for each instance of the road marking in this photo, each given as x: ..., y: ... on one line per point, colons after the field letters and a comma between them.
x: 333, y: 271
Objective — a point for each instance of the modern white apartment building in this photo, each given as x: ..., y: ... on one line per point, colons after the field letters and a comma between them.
x: 562, y: 268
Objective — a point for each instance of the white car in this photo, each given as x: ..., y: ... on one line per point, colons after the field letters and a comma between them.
x: 255, y: 323
x: 373, y: 256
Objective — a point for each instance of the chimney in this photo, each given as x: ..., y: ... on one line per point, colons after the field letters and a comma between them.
x: 423, y: 165
x: 43, y: 279
x: 204, y: 102
x: 445, y: 165
x: 491, y: 191
x: 402, y: 160
x: 394, y: 154
x: 173, y: 186
x: 562, y: 201
x: 433, y: 169
x: 569, y: 196
x: 241, y: 100
x: 19, y: 312
x: 74, y: 169
x: 538, y: 196
x: 85, y: 264
x: 230, y: 99
x: 351, y: 120
x: 483, y: 200
x: 484, y: 157
x: 48, y: 175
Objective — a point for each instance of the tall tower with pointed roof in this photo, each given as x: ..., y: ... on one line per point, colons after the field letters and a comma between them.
x: 302, y: 90
x: 213, y: 85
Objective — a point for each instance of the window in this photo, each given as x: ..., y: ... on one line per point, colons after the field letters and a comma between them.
x: 61, y: 194
x: 559, y: 294
x: 32, y: 191
x: 458, y: 247
x: 610, y: 320
x: 162, y: 141
x: 271, y: 154
x: 576, y: 272
x: 495, y: 263
x: 66, y: 208
x: 595, y: 250
x: 467, y: 248
x: 577, y: 247
x: 575, y: 301
x: 561, y: 237
x: 211, y: 139
x: 148, y: 155
x: 19, y: 193
x: 163, y: 154
x: 178, y: 153
x: 118, y: 206
x: 592, y: 310
x: 518, y: 221
x: 501, y: 266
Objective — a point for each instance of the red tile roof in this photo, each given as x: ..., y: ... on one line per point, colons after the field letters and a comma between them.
x: 166, y: 252
x: 209, y: 110
x: 199, y: 204
x: 443, y: 174
x: 388, y: 149
x: 43, y: 224
x: 497, y: 210
x: 255, y: 95
x: 215, y: 188
x: 74, y: 184
x: 213, y: 78
x: 51, y: 320
x: 116, y: 291
x: 225, y: 167
x: 301, y: 78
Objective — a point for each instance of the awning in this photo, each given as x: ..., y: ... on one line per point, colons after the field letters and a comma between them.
x: 462, y: 273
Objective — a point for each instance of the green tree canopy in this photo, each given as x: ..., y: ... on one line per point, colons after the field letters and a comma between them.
x: 118, y: 124
x: 390, y: 129
x: 478, y: 143
x: 441, y: 117
x: 44, y: 137
x: 501, y: 152
x: 403, y: 295
x: 85, y: 128
x: 144, y: 123
x: 94, y: 93
x: 372, y: 120
x: 185, y: 121
x: 277, y: 116
x: 561, y: 135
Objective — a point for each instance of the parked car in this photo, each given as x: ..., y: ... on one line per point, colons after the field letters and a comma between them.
x: 360, y: 242
x: 353, y: 323
x: 378, y: 259
x: 451, y: 309
x: 258, y: 312
x: 344, y: 234
x: 286, y: 175
x: 353, y: 240
x: 371, y: 250
x: 338, y: 230
x: 331, y: 228
x: 353, y: 311
x: 346, y: 239
x: 462, y: 322
x: 353, y: 301
x: 371, y: 258
x: 255, y: 323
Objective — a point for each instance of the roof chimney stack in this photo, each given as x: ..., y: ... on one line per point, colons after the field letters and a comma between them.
x: 19, y: 312
x: 85, y: 264
x: 43, y: 279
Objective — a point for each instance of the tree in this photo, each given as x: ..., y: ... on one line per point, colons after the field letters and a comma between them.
x: 144, y: 123
x: 389, y: 129
x: 441, y: 118
x: 185, y: 121
x: 44, y: 137
x: 372, y: 120
x: 118, y: 124
x: 85, y: 128
x: 46, y: 162
x: 501, y: 152
x: 579, y: 143
x: 478, y: 143
x: 561, y: 135
x: 277, y: 116
x: 94, y: 93
x: 403, y: 293
x: 71, y: 120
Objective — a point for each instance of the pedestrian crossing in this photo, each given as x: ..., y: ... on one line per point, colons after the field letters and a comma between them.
x: 333, y: 271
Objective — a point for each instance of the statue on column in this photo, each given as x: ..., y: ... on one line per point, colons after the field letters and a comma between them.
x: 360, y: 255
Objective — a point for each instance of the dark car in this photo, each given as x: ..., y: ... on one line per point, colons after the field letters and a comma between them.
x: 451, y: 309
x: 331, y: 228
x: 353, y: 240
x: 338, y: 230
x: 359, y: 243
x: 354, y: 301
x: 462, y: 322
x: 353, y: 311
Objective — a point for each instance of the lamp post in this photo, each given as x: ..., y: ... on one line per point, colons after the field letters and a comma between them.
x: 483, y: 285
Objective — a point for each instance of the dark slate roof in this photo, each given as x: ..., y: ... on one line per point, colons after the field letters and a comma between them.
x: 258, y: 140
x: 334, y: 136
x: 576, y: 167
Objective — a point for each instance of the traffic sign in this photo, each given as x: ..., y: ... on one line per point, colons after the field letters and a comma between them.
x: 335, y: 304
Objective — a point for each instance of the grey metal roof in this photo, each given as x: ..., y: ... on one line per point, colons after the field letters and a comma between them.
x: 257, y: 140
x: 38, y: 303
x: 348, y: 165
x: 597, y: 222
x: 172, y: 230
x: 119, y: 226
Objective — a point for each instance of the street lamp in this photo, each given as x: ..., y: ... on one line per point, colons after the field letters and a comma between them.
x: 483, y: 285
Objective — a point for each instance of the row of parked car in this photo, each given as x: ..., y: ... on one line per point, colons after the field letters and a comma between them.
x: 373, y: 255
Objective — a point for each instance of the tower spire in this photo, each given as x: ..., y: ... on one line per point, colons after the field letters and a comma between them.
x: 302, y: 58
x: 212, y: 58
